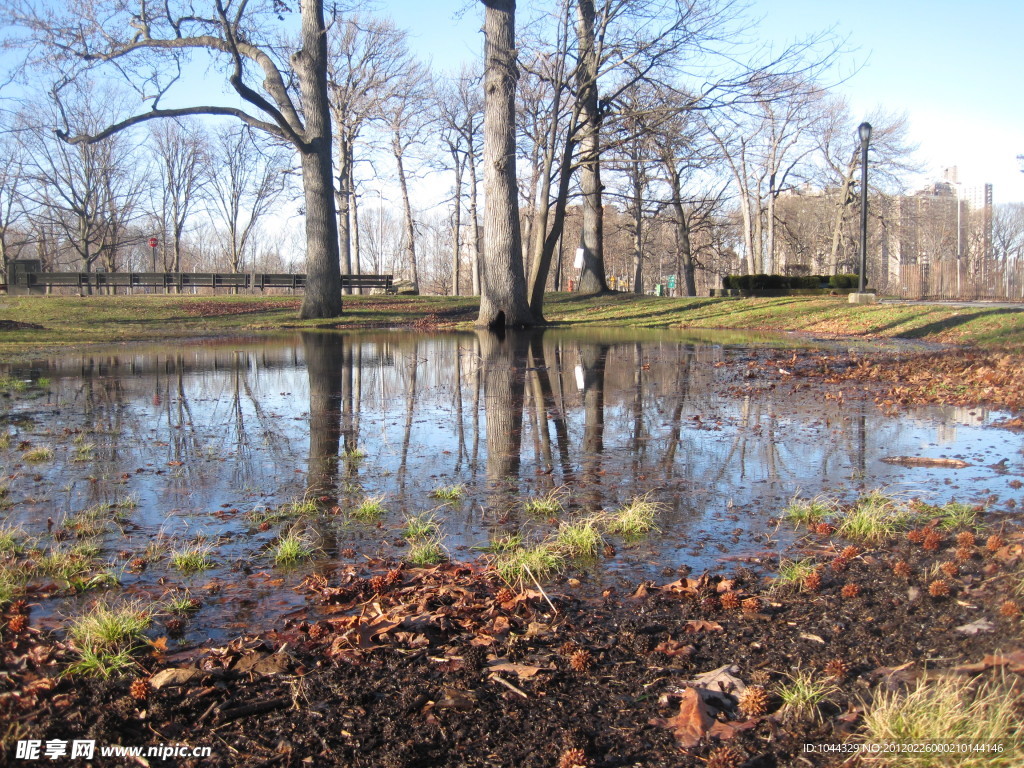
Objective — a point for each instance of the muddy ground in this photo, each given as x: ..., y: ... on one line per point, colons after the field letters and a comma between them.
x: 447, y: 666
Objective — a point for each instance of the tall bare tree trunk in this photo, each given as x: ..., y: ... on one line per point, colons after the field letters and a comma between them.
x: 592, y: 278
x: 503, y: 298
x: 474, y: 216
x: 323, y: 275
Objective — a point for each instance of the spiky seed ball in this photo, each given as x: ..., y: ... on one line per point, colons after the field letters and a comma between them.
x: 710, y: 603
x: 140, y: 689
x: 932, y: 541
x: 475, y: 658
x: 504, y: 595
x: 950, y: 569
x: 393, y: 577
x: 938, y: 588
x: 965, y: 539
x: 20, y: 606
x: 194, y: 604
x: 837, y: 669
x: 901, y: 568
x: 574, y: 758
x: 754, y: 701
x: 963, y: 554
x: 838, y: 565
x: 320, y: 630
x: 348, y: 552
x: 850, y: 590
x: 824, y: 529
x: 995, y: 542
x: 378, y: 584
x: 849, y: 552
x: 582, y: 660
x: 175, y: 626
x: 609, y: 550
x: 761, y: 676
x: 730, y: 601
x: 726, y: 757
x: 915, y: 536
x: 263, y: 527
x: 568, y: 648
x: 17, y: 623
x: 136, y: 564
x: 751, y: 605
x: 1009, y: 609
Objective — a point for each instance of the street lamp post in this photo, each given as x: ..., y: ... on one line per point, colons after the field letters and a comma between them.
x: 864, y: 131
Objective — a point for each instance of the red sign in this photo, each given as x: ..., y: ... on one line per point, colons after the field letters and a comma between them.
x: 152, y: 242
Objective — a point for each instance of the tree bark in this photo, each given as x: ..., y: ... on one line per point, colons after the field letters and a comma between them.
x: 323, y: 274
x: 503, y: 297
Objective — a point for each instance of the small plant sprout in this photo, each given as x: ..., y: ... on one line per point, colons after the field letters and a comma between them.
x: 449, y: 492
x: 875, y: 518
x: 369, y: 509
x: 426, y: 552
x: 635, y: 518
x: 84, y: 452
x: 579, y: 540
x: 307, y: 505
x: 947, y: 710
x: 354, y: 454
x: 94, y: 521
x: 12, y: 583
x: 181, y: 603
x: 794, y: 573
x: 808, y: 512
x: 953, y: 516
x: 803, y: 695
x: 12, y: 539
x: 550, y: 504
x: 420, y: 526
x: 192, y: 557
x: 291, y: 549
x: 508, y: 542
x: 5, y: 440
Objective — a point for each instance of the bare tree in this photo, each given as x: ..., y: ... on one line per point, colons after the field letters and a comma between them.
x: 366, y: 58
x: 12, y: 202
x: 244, y: 188
x: 503, y: 284
x: 283, y: 86
x: 183, y: 163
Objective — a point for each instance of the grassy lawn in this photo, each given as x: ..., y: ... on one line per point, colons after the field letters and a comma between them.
x: 102, y: 319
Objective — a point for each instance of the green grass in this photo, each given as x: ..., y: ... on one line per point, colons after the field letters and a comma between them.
x: 874, y: 518
x: 420, y: 526
x: 948, y: 710
x: 38, y: 455
x: 10, y: 384
x: 449, y: 492
x: 12, y: 582
x: 523, y: 565
x: 550, y: 504
x: 369, y: 509
x: 579, y: 540
x: 808, y: 512
x: 65, y: 564
x: 181, y: 603
x: 426, y: 552
x: 508, y: 542
x: 12, y: 539
x: 290, y: 549
x: 78, y: 321
x: 793, y: 572
x: 803, y: 695
x: 94, y: 521
x: 953, y: 515
x: 192, y: 557
x: 106, y: 635
x: 634, y: 519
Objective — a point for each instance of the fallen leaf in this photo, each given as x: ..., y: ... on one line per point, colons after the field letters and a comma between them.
x: 976, y: 627
x: 694, y: 720
x: 724, y: 680
x: 674, y: 648
x: 699, y: 625
x: 814, y: 638
x: 522, y: 670
x: 174, y: 676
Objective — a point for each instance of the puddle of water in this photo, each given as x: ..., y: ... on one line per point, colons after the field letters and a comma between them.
x: 201, y: 442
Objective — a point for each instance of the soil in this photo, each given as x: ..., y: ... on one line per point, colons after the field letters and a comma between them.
x: 394, y: 666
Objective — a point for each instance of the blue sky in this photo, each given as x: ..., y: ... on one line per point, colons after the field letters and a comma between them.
x: 955, y: 68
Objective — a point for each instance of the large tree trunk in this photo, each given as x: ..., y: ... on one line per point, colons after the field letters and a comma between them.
x: 503, y: 296
x: 457, y: 225
x: 592, y: 278
x: 324, y: 354
x: 344, y: 199
x: 323, y: 275
x: 503, y: 362
x: 474, y: 216
x: 410, y: 226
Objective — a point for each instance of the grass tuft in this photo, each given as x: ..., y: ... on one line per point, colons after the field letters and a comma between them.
x: 449, y: 492
x: 947, y: 710
x: 579, y: 540
x: 38, y: 455
x: 192, y: 557
x: 803, y: 695
x: 369, y: 509
x: 793, y: 572
x: 425, y: 552
x: 874, y: 518
x: 635, y: 518
x: 420, y: 526
x: 522, y: 565
x: 291, y: 549
x: 550, y: 504
x: 808, y: 512
x: 106, y: 635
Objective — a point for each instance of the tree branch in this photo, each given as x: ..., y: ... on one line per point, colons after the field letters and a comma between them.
x: 245, y: 117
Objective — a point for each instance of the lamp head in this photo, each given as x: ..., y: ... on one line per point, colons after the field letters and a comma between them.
x: 864, y: 131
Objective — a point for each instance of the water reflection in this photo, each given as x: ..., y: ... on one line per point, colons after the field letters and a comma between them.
x: 202, y: 435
